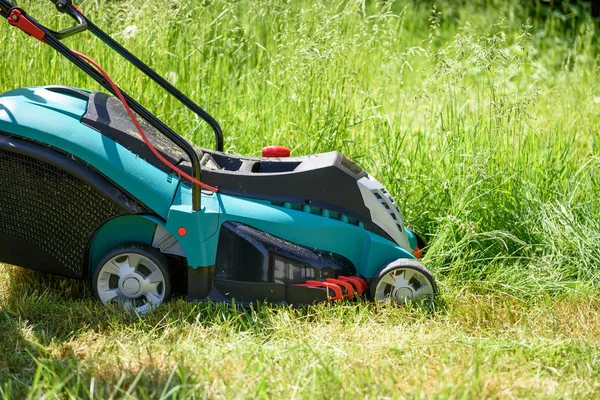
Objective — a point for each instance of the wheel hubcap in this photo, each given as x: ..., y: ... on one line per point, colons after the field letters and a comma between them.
x: 131, y: 279
x: 130, y: 286
x: 403, y: 285
x: 403, y: 293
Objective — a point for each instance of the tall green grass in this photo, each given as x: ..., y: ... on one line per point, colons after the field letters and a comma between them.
x: 480, y: 117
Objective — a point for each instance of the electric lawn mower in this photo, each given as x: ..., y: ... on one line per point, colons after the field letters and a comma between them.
x: 94, y: 186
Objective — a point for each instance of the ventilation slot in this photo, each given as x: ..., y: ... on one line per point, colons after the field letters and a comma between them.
x: 50, y: 208
x: 319, y: 211
x: 386, y: 199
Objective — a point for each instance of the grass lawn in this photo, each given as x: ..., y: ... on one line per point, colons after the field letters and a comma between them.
x: 482, y: 119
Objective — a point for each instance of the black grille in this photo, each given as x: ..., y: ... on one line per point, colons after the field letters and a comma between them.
x: 50, y: 208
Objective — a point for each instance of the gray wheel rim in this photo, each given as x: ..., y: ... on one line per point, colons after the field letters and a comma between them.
x: 133, y: 280
x: 404, y: 285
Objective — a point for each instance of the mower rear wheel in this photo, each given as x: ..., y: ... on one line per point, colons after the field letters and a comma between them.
x: 403, y: 281
x: 135, y: 275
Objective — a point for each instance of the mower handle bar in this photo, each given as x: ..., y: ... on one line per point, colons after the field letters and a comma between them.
x: 85, y: 24
x: 66, y: 6
x: 53, y: 39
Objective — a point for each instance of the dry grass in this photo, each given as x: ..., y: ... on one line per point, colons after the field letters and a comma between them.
x: 477, y: 346
x: 481, y: 117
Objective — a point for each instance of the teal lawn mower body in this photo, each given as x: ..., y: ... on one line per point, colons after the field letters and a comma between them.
x: 82, y: 196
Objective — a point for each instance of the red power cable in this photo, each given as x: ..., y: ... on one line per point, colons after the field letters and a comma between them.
x: 139, y: 128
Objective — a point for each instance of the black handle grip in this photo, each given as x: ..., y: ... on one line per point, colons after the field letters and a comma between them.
x: 66, y: 6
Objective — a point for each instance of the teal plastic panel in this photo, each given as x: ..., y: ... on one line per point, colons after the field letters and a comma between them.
x: 412, y: 239
x: 54, y: 118
x: 369, y: 252
x: 118, y: 231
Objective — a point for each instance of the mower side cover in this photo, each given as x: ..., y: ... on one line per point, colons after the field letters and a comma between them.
x: 254, y: 249
x: 81, y: 195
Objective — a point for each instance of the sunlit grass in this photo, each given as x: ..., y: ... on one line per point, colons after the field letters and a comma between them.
x: 59, y: 341
x: 480, y: 117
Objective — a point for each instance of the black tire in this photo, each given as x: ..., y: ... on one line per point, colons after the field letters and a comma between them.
x: 402, y: 264
x: 151, y: 261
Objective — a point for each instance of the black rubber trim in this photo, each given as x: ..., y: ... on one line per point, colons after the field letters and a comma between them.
x: 247, y: 293
x: 302, y: 295
x: 16, y: 251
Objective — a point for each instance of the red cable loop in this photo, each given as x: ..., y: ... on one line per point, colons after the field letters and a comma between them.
x: 139, y: 128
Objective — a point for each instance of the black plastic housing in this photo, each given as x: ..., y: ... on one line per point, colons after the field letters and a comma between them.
x: 253, y: 265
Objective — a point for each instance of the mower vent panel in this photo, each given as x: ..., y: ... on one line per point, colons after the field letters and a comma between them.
x: 386, y: 199
x: 50, y: 214
x: 384, y: 210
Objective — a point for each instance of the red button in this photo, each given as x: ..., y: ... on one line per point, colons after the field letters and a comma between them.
x: 275, y: 151
x: 182, y: 231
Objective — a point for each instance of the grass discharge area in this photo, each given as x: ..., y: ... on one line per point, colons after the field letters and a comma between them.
x: 480, y: 117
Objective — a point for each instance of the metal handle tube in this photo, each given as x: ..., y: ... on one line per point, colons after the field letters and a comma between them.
x: 5, y: 7
x: 113, y: 44
x: 138, y: 108
x: 54, y: 42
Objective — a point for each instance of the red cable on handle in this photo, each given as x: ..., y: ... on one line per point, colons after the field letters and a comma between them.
x: 139, y: 128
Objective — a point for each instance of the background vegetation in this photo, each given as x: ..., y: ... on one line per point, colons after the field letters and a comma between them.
x: 481, y: 117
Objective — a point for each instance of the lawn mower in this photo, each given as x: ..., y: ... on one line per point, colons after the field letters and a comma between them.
x: 94, y: 186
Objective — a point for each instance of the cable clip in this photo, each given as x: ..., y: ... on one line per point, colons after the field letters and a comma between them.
x: 18, y: 19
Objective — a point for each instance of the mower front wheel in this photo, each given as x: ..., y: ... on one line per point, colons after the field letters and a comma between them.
x: 135, y: 275
x: 403, y: 281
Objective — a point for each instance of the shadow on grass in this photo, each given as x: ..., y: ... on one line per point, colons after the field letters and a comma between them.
x: 45, y: 318
x: 42, y: 318
x: 34, y: 314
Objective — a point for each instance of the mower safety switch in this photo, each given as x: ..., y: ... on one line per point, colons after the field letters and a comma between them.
x: 275, y: 152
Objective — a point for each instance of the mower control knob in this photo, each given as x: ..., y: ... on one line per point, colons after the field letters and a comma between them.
x: 61, y: 5
x: 275, y: 151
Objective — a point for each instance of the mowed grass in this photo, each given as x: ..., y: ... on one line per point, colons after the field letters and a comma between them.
x: 56, y: 341
x: 480, y: 117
